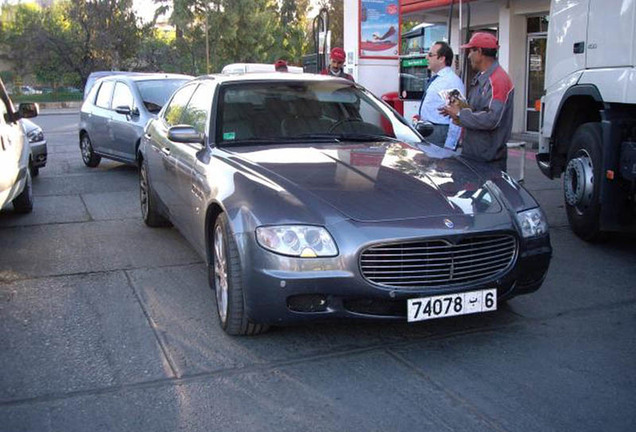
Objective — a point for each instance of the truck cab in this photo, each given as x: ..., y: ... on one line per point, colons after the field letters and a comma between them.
x: 588, y: 113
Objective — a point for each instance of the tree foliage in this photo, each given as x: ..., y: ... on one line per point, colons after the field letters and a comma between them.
x: 64, y: 43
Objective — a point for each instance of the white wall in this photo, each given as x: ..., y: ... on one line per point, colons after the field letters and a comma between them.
x: 380, y: 76
x: 512, y: 57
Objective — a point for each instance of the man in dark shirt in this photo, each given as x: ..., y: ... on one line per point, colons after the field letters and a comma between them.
x: 488, y: 122
x: 336, y: 63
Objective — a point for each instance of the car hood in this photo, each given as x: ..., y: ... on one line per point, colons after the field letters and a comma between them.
x: 376, y: 181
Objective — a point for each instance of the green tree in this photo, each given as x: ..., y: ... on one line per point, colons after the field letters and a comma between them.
x: 291, y: 33
x: 238, y: 30
x: 19, y: 34
x: 72, y: 38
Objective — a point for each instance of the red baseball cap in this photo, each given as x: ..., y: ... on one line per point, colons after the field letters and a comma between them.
x: 482, y: 40
x: 338, y: 54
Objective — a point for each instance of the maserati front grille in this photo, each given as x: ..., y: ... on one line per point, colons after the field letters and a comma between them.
x: 438, y: 262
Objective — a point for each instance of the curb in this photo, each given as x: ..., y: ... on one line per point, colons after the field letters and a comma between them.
x: 60, y: 105
x: 61, y: 111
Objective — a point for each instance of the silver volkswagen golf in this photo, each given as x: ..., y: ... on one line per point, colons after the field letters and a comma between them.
x: 311, y: 199
x: 116, y: 110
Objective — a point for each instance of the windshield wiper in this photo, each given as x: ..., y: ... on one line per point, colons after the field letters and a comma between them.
x: 365, y: 137
x: 284, y: 140
x: 249, y: 141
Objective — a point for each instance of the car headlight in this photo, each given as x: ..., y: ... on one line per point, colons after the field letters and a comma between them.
x: 532, y: 222
x: 303, y: 241
x: 35, y: 135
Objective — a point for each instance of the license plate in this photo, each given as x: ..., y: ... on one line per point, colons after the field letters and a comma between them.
x: 425, y: 308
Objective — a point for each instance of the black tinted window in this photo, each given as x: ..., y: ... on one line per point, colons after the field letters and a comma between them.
x: 276, y: 110
x: 177, y: 105
x: 103, y: 94
x: 155, y: 93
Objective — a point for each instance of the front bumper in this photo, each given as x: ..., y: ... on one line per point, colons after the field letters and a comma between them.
x: 282, y: 289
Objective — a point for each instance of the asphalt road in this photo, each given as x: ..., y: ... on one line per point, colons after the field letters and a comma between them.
x: 107, y: 325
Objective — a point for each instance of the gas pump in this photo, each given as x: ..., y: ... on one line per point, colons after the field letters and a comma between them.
x: 413, y: 64
x: 317, y: 61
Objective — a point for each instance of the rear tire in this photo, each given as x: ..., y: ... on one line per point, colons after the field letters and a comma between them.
x: 90, y: 158
x: 225, y: 279
x: 149, y: 211
x: 582, y: 181
x: 23, y: 203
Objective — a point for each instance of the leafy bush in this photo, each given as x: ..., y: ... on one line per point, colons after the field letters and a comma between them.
x: 48, y: 97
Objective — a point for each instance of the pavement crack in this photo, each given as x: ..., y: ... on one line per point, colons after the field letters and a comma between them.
x: 455, y: 397
x: 90, y: 216
x: 153, y: 327
x: 8, y: 280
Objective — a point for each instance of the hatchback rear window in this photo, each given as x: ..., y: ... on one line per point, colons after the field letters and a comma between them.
x: 155, y: 93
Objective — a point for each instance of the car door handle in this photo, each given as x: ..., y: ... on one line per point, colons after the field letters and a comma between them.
x: 165, y: 151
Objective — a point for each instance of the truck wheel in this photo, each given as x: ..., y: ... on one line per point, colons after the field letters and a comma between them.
x: 225, y: 278
x: 582, y: 181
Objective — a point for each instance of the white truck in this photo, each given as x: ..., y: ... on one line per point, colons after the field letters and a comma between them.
x: 588, y: 113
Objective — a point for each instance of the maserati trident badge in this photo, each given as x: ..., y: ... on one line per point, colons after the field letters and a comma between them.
x: 449, y: 223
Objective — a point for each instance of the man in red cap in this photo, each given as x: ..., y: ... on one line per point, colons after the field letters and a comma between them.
x: 336, y: 63
x: 280, y: 66
x: 488, y: 122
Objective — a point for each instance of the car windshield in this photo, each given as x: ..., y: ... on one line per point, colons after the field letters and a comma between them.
x: 155, y: 93
x: 271, y: 112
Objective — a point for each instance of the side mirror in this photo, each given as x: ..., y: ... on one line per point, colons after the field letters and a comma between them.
x: 123, y: 110
x: 424, y: 128
x: 28, y: 110
x: 185, y: 134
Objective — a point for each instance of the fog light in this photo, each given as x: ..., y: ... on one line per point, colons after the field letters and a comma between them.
x: 307, y: 303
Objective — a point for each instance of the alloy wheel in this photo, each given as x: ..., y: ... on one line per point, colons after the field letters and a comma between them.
x: 220, y: 274
x: 86, y: 149
x: 143, y: 192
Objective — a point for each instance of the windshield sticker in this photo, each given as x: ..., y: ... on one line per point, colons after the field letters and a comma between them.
x: 229, y: 135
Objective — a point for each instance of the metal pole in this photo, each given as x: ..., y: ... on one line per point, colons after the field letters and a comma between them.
x: 450, y: 22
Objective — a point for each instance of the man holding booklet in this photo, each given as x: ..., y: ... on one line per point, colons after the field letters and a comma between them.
x: 442, y: 81
x: 487, y: 119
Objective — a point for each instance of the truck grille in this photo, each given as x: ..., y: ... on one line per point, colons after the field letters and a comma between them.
x: 438, y: 262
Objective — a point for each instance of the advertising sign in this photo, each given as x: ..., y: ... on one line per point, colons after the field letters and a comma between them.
x: 379, y: 28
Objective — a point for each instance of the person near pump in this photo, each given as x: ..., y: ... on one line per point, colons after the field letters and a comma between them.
x: 336, y: 64
x: 488, y: 122
x: 445, y: 132
x: 281, y: 66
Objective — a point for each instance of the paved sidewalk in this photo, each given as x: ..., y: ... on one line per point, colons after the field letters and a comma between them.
x: 58, y: 111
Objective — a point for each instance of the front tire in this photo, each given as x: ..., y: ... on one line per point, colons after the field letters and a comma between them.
x: 90, y: 158
x: 225, y: 278
x: 23, y: 203
x: 582, y: 181
x: 149, y: 211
